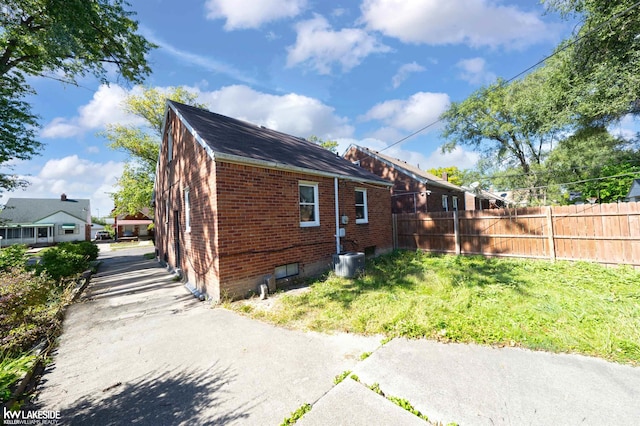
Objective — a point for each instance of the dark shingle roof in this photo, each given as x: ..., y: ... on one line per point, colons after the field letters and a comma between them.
x: 229, y: 136
x: 634, y: 191
x: 30, y: 210
x: 410, y: 169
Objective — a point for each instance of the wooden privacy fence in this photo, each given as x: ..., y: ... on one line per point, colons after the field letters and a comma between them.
x: 604, y: 233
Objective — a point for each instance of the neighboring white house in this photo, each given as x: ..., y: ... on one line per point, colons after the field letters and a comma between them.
x: 42, y: 221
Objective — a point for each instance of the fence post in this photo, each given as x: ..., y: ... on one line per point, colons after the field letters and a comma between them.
x: 550, y: 238
x: 456, y: 231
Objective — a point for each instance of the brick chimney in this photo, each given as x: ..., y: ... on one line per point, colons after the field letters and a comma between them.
x: 445, y: 176
x: 63, y: 197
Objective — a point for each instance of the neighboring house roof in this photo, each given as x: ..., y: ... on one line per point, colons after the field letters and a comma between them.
x: 229, y: 139
x: 31, y: 210
x: 486, y: 195
x: 634, y: 191
x: 408, y: 169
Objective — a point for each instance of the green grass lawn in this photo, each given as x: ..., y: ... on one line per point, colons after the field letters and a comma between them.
x: 559, y: 307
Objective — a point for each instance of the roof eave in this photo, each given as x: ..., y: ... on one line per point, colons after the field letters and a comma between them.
x: 236, y: 159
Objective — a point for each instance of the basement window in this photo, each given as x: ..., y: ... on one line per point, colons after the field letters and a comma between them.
x: 285, y: 271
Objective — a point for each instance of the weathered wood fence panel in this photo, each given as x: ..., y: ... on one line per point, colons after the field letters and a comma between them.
x: 604, y: 233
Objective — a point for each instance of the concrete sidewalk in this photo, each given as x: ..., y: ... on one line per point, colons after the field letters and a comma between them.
x: 140, y: 348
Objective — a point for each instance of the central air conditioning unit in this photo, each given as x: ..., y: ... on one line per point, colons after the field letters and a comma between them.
x: 348, y: 264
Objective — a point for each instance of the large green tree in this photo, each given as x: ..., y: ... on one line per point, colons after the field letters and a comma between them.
x: 601, y: 68
x: 514, y: 126
x: 71, y: 38
x: 134, y: 188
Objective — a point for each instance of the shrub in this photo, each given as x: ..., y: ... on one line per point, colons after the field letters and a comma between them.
x: 14, y: 256
x: 59, y: 263
x: 26, y: 313
x: 84, y: 248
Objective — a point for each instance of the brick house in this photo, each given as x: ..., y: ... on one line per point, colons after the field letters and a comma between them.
x: 235, y: 202
x: 414, y: 190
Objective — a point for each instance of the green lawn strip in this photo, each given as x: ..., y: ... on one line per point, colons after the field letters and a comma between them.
x: 559, y: 307
x: 296, y: 415
x: 12, y: 368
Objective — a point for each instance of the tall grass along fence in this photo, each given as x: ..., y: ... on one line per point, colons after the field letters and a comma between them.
x: 603, y: 233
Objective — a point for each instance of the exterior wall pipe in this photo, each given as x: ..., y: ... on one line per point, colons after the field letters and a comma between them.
x: 335, y: 187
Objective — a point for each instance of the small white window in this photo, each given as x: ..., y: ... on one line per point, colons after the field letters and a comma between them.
x: 166, y: 210
x: 445, y: 203
x: 170, y: 144
x: 285, y: 271
x: 455, y: 204
x: 362, y: 215
x: 187, y: 211
x: 309, y: 206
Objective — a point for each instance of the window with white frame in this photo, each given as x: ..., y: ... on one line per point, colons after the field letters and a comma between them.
x: 187, y: 211
x: 309, y: 206
x: 362, y: 216
x: 455, y: 204
x: 445, y: 203
x: 170, y: 144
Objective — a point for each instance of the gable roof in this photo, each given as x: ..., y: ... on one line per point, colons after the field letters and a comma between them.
x: 408, y: 169
x: 229, y: 139
x: 634, y: 191
x: 31, y: 210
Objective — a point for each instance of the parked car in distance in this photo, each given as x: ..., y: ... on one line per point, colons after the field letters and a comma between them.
x: 103, y: 235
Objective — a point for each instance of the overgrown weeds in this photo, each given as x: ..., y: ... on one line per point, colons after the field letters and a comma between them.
x: 559, y: 307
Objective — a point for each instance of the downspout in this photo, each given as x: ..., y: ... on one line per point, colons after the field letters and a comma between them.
x: 335, y: 188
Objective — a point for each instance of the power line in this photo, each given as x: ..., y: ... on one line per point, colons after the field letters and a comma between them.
x: 563, y: 48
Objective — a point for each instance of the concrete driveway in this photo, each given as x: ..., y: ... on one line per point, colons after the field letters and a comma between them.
x: 139, y: 348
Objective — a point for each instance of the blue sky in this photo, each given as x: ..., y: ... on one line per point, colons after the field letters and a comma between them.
x: 368, y: 71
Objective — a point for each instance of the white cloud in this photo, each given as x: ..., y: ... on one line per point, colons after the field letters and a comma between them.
x: 319, y: 46
x: 201, y: 61
x: 240, y: 14
x: 76, y: 177
x: 93, y: 149
x: 419, y: 110
x: 458, y: 157
x: 628, y: 128
x: 473, y: 22
x: 104, y: 108
x: 291, y: 113
x: 403, y: 73
x: 474, y: 71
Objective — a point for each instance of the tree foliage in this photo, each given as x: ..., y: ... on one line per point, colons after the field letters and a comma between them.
x: 328, y: 144
x: 454, y: 175
x: 71, y: 38
x: 601, y: 69
x: 134, y: 188
x: 550, y: 127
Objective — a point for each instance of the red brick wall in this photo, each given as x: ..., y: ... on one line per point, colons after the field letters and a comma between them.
x: 259, y: 226
x: 190, y: 168
x: 245, y: 220
x: 407, y: 193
